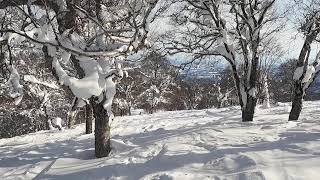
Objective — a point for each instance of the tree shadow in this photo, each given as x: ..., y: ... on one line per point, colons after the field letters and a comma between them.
x: 163, y: 162
x: 80, y: 149
x: 90, y: 168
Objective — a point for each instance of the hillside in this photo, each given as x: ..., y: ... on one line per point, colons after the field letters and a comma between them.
x: 202, y: 144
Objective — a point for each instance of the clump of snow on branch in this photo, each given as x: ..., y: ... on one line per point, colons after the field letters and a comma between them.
x: 57, y: 122
x: 243, y: 95
x: 298, y: 73
x: 16, y: 89
x: 253, y: 92
x: 122, y: 103
x: 98, y: 80
x: 82, y: 88
x: 308, y: 75
x: 110, y: 92
x: 32, y: 79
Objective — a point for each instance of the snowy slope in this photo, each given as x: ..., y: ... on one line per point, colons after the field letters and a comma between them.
x: 204, y: 144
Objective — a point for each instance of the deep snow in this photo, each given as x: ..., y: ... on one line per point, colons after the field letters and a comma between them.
x: 204, y: 144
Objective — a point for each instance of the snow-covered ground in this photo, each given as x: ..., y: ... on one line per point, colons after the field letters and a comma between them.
x: 204, y: 144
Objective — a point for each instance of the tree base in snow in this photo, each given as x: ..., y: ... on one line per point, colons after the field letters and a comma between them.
x: 88, y: 119
x: 296, y: 102
x: 248, y: 111
x: 295, y: 112
x: 247, y: 117
x: 102, y: 128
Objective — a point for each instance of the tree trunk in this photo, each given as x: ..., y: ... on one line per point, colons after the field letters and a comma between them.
x: 102, y: 128
x: 247, y: 107
x: 47, y: 117
x: 248, y: 110
x: 299, y: 91
x: 266, y: 99
x: 71, y: 118
x: 129, y: 110
x: 89, y: 119
x: 72, y: 114
x: 296, y: 102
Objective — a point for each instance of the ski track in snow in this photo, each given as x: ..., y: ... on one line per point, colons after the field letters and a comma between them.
x: 195, y: 144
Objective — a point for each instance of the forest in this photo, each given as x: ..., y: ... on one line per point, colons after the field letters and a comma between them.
x: 98, y: 69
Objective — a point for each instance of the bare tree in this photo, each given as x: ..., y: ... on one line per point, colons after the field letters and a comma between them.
x: 94, y: 36
x: 232, y: 30
x: 270, y: 55
x: 158, y: 77
x: 305, y: 74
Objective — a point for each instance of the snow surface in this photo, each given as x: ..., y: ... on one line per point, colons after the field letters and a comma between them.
x: 197, y: 144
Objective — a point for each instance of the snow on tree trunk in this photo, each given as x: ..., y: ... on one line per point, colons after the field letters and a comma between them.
x: 99, y: 87
x: 296, y: 102
x: 16, y: 89
x: 72, y: 114
x: 222, y: 97
x: 248, y: 109
x: 57, y: 123
x: 302, y: 81
x: 302, y: 75
x: 266, y: 100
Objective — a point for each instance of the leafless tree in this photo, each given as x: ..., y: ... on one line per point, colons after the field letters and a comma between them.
x: 270, y: 56
x: 232, y: 30
x: 85, y: 32
x: 305, y: 74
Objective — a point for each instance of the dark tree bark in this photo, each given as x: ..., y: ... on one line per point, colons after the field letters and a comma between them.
x: 46, y: 117
x: 129, y: 110
x: 248, y: 111
x: 296, y: 102
x: 89, y: 117
x: 102, y: 128
x: 299, y: 90
x: 248, y: 107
